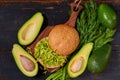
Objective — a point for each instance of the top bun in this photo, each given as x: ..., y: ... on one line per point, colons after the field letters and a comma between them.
x: 63, y: 39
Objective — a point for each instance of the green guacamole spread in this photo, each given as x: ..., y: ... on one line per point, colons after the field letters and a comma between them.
x: 47, y: 55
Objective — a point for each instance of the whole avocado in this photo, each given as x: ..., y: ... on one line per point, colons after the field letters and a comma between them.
x: 99, y: 59
x: 107, y: 16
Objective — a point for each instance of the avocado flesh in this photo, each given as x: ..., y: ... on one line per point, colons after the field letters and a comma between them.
x: 46, y: 56
x: 30, y: 29
x: 78, y: 63
x: 25, y: 62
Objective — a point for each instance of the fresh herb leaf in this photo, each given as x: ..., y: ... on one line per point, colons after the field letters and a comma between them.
x: 90, y: 29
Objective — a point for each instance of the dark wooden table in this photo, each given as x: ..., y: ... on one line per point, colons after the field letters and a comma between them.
x: 14, y: 14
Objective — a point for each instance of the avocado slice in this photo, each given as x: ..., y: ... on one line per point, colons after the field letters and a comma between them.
x: 78, y: 63
x: 25, y: 62
x: 30, y: 29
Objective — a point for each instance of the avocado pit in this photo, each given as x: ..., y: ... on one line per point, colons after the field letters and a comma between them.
x: 77, y: 64
x: 27, y: 63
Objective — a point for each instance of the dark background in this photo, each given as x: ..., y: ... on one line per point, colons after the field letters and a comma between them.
x: 14, y: 14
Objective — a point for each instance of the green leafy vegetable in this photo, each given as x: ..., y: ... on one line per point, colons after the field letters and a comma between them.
x: 61, y: 74
x: 90, y: 29
x: 106, y: 37
x: 88, y: 24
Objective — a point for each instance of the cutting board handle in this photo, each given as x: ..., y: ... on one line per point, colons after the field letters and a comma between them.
x: 74, y: 13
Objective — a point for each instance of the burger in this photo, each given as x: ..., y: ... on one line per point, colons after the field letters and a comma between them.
x: 52, y: 51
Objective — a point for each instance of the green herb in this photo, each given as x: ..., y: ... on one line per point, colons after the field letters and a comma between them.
x: 90, y: 29
x: 47, y: 55
x: 106, y: 37
x: 61, y: 74
x: 88, y: 24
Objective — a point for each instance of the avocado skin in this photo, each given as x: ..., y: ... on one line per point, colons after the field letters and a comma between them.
x: 84, y: 52
x: 99, y: 59
x: 17, y: 51
x: 107, y: 16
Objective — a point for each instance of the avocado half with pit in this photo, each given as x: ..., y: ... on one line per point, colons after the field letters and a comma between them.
x: 25, y: 62
x: 78, y: 63
x: 30, y: 29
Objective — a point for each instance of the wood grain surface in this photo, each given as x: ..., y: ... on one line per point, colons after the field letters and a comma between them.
x: 24, y: 1
x: 13, y: 15
x: 54, y: 1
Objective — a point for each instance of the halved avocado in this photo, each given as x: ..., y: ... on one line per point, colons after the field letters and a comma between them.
x: 78, y: 63
x: 25, y: 62
x: 30, y: 29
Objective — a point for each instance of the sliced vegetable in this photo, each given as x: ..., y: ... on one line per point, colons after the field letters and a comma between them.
x: 78, y: 63
x: 30, y: 29
x: 25, y: 62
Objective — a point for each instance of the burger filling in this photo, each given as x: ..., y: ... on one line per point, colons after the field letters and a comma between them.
x: 47, y: 56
